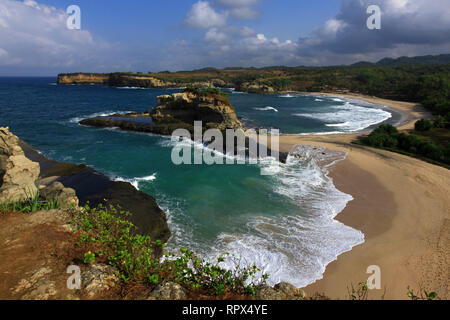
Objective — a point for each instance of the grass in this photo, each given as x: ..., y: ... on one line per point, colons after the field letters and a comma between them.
x: 107, y: 236
x: 31, y: 202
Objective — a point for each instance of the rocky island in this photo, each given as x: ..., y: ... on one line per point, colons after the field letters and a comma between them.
x: 180, y: 111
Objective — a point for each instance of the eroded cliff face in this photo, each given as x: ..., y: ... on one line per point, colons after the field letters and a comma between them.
x: 213, y: 110
x: 17, y: 173
x: 176, y: 111
x: 83, y: 78
x: 134, y: 80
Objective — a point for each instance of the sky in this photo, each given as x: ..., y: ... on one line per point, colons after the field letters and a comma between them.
x: 143, y: 36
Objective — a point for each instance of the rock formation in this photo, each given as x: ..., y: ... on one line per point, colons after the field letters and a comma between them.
x: 214, y: 110
x: 17, y: 173
x: 83, y: 78
x: 65, y: 197
x: 254, y: 87
x: 176, y: 111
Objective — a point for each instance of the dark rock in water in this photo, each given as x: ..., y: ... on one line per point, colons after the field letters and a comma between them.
x: 96, y: 188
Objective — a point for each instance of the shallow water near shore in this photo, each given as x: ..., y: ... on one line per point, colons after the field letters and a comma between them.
x: 282, y: 222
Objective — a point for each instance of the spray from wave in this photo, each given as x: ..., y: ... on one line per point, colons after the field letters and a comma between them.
x: 268, y: 108
x: 135, y: 181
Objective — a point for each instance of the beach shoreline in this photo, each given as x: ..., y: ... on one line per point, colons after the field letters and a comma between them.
x: 401, y: 205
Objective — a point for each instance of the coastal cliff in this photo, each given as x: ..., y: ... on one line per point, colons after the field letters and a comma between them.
x: 83, y: 78
x: 121, y: 79
x: 26, y: 173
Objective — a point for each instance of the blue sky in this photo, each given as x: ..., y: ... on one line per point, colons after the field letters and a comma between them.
x: 158, y: 21
x: 142, y: 35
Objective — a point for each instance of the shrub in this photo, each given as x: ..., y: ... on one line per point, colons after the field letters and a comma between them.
x: 30, y: 203
x: 408, y: 142
x: 107, y: 234
x: 423, y: 125
x: 376, y: 139
x: 439, y: 122
x: 386, y: 128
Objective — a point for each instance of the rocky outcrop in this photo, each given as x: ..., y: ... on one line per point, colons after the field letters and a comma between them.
x: 65, y: 197
x: 17, y: 173
x: 139, y: 81
x: 214, y: 110
x: 281, y: 291
x: 179, y: 110
x: 96, y: 188
x: 253, y: 87
x: 135, y: 80
x: 97, y: 279
x: 83, y: 78
x: 168, y: 291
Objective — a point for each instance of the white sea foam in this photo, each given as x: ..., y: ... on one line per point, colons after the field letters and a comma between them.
x: 132, y: 88
x: 135, y: 181
x: 318, y: 100
x: 97, y: 114
x: 292, y: 246
x: 338, y: 124
x: 296, y: 247
x: 268, y: 108
x: 288, y: 95
x: 349, y: 117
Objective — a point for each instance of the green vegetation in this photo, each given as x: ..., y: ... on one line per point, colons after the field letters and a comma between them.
x: 422, y: 295
x: 30, y: 203
x: 427, y: 143
x: 214, y: 92
x: 423, y: 125
x: 107, y: 236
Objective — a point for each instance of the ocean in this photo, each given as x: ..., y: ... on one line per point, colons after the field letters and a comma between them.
x: 283, y: 222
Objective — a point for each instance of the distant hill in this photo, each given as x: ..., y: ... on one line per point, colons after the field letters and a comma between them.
x: 402, y: 61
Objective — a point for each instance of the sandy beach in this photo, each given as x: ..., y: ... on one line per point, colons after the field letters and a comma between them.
x: 401, y: 204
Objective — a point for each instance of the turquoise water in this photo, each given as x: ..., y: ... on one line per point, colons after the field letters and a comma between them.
x: 283, y: 222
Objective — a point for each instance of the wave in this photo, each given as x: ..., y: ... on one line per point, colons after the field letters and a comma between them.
x: 239, y: 92
x: 318, y: 100
x: 135, y: 181
x: 338, y: 124
x: 349, y: 117
x: 337, y: 100
x: 268, y: 108
x: 296, y: 248
x: 132, y: 88
x: 97, y: 114
x: 288, y: 95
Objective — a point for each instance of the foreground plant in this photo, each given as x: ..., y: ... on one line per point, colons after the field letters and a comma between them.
x: 108, y: 236
x: 31, y: 202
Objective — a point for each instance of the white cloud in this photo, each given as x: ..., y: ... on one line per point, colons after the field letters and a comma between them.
x: 214, y: 35
x: 202, y: 15
x: 37, y: 36
x: 236, y: 3
x: 408, y: 27
x: 240, y: 9
x: 245, y: 13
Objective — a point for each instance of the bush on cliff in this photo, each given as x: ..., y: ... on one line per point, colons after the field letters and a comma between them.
x: 107, y: 235
x: 212, y: 92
